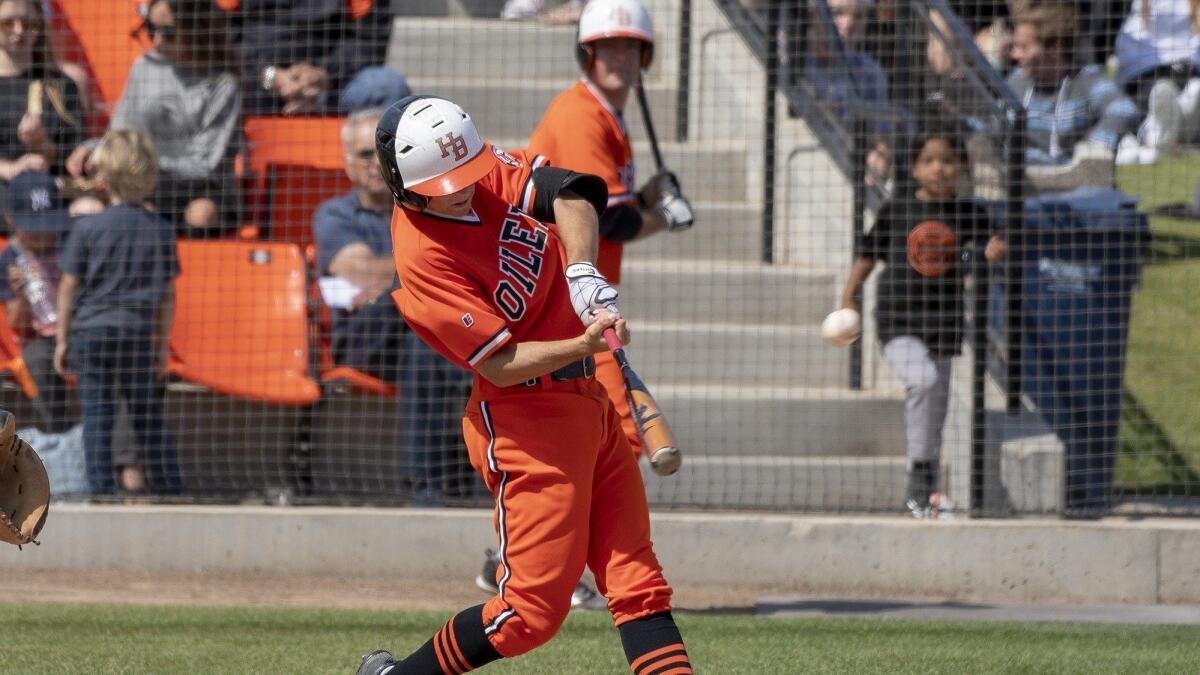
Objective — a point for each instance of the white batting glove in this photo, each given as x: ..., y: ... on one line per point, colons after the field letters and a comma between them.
x: 590, y: 292
x: 677, y: 211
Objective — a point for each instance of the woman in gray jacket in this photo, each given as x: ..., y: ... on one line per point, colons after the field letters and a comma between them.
x: 184, y: 95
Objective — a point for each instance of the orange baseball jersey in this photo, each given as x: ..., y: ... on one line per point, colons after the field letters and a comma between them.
x: 512, y: 178
x: 468, y: 286
x: 580, y: 131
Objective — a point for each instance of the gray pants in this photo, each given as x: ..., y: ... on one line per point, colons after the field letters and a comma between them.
x: 926, y: 380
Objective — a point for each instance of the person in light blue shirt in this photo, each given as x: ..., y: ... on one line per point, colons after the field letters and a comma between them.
x: 1065, y: 105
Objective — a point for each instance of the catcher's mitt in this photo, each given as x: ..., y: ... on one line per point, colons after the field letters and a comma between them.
x: 24, y: 487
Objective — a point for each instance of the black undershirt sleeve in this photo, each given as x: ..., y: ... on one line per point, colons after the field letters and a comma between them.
x: 550, y: 182
x: 621, y: 223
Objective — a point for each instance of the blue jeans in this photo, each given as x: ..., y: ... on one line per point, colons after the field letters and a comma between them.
x: 119, y: 361
x: 433, y: 397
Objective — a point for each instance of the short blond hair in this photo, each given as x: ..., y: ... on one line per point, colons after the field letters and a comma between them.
x: 1055, y: 22
x: 127, y: 163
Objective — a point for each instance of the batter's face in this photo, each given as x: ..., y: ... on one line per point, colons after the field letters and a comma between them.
x: 616, y: 64
x: 936, y: 171
x: 457, y: 204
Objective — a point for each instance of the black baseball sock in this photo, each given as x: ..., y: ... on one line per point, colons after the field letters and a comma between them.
x: 653, y: 646
x: 460, y: 646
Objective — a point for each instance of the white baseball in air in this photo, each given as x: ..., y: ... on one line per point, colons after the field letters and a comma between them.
x: 841, y: 327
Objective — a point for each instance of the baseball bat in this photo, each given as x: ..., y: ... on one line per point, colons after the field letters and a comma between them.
x: 645, y: 106
x: 657, y: 439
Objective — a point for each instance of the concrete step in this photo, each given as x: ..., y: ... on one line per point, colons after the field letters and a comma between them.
x: 513, y: 108
x: 452, y: 47
x: 736, y: 355
x: 708, y: 172
x: 716, y: 420
x: 724, y: 291
x: 456, y: 47
x: 723, y: 231
x: 793, y: 483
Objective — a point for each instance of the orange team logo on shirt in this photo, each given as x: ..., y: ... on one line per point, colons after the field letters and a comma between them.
x: 932, y: 247
x: 505, y: 157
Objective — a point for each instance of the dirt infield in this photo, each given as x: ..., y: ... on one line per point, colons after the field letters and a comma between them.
x: 212, y: 590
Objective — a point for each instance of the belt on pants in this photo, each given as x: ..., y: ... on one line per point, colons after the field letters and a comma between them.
x: 585, y: 367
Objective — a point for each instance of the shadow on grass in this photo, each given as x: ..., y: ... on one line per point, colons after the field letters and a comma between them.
x: 1169, y: 248
x: 1146, y: 439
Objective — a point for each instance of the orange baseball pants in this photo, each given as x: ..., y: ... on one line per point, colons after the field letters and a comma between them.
x: 568, y: 493
x: 608, y: 373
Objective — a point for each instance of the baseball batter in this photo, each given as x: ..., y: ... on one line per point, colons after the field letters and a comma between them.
x: 583, y: 129
x: 496, y: 291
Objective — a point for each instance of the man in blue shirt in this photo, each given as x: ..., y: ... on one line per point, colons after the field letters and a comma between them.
x: 354, y: 244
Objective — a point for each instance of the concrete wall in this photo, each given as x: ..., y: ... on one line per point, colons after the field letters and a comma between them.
x: 1146, y: 562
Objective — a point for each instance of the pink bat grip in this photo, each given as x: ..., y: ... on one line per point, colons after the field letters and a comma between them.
x: 610, y: 336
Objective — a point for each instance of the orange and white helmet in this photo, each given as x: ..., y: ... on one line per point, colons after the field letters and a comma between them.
x: 429, y: 147
x: 614, y: 19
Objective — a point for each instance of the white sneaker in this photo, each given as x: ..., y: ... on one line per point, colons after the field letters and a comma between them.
x: 522, y: 9
x: 1189, y: 97
x: 1189, y: 107
x: 585, y: 598
x: 1128, y: 150
x: 1161, y: 128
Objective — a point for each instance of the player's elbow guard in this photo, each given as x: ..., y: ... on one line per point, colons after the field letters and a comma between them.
x: 551, y: 182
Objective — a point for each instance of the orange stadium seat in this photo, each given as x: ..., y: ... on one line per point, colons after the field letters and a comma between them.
x: 293, y: 195
x: 294, y: 164
x: 241, y: 321
x: 96, y: 33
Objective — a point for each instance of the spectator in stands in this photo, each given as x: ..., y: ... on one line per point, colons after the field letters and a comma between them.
x: 1158, y: 64
x: 354, y: 244
x: 836, y: 80
x: 115, y: 305
x: 1076, y: 117
x: 184, y: 95
x: 38, y: 218
x: 921, y: 238
x: 299, y: 57
x: 41, y: 117
x: 840, y: 75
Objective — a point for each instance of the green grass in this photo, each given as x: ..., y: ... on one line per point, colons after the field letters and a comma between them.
x: 1164, y: 339
x: 120, y: 639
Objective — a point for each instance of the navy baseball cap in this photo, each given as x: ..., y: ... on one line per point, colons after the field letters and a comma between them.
x: 33, y: 203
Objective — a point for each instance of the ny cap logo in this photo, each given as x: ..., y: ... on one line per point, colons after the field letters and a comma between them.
x: 455, y: 144
x: 39, y: 200
x: 620, y: 16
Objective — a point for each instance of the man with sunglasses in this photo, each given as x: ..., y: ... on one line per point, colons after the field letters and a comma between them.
x: 354, y: 258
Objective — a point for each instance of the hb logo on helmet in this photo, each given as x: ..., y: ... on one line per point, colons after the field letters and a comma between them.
x: 455, y: 144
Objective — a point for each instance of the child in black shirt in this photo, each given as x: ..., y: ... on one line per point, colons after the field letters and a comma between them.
x: 921, y: 240
x: 115, y: 305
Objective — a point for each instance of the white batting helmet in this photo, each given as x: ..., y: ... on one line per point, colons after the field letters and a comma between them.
x: 428, y: 146
x: 614, y: 19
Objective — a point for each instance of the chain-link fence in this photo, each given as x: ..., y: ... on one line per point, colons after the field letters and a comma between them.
x: 975, y: 182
